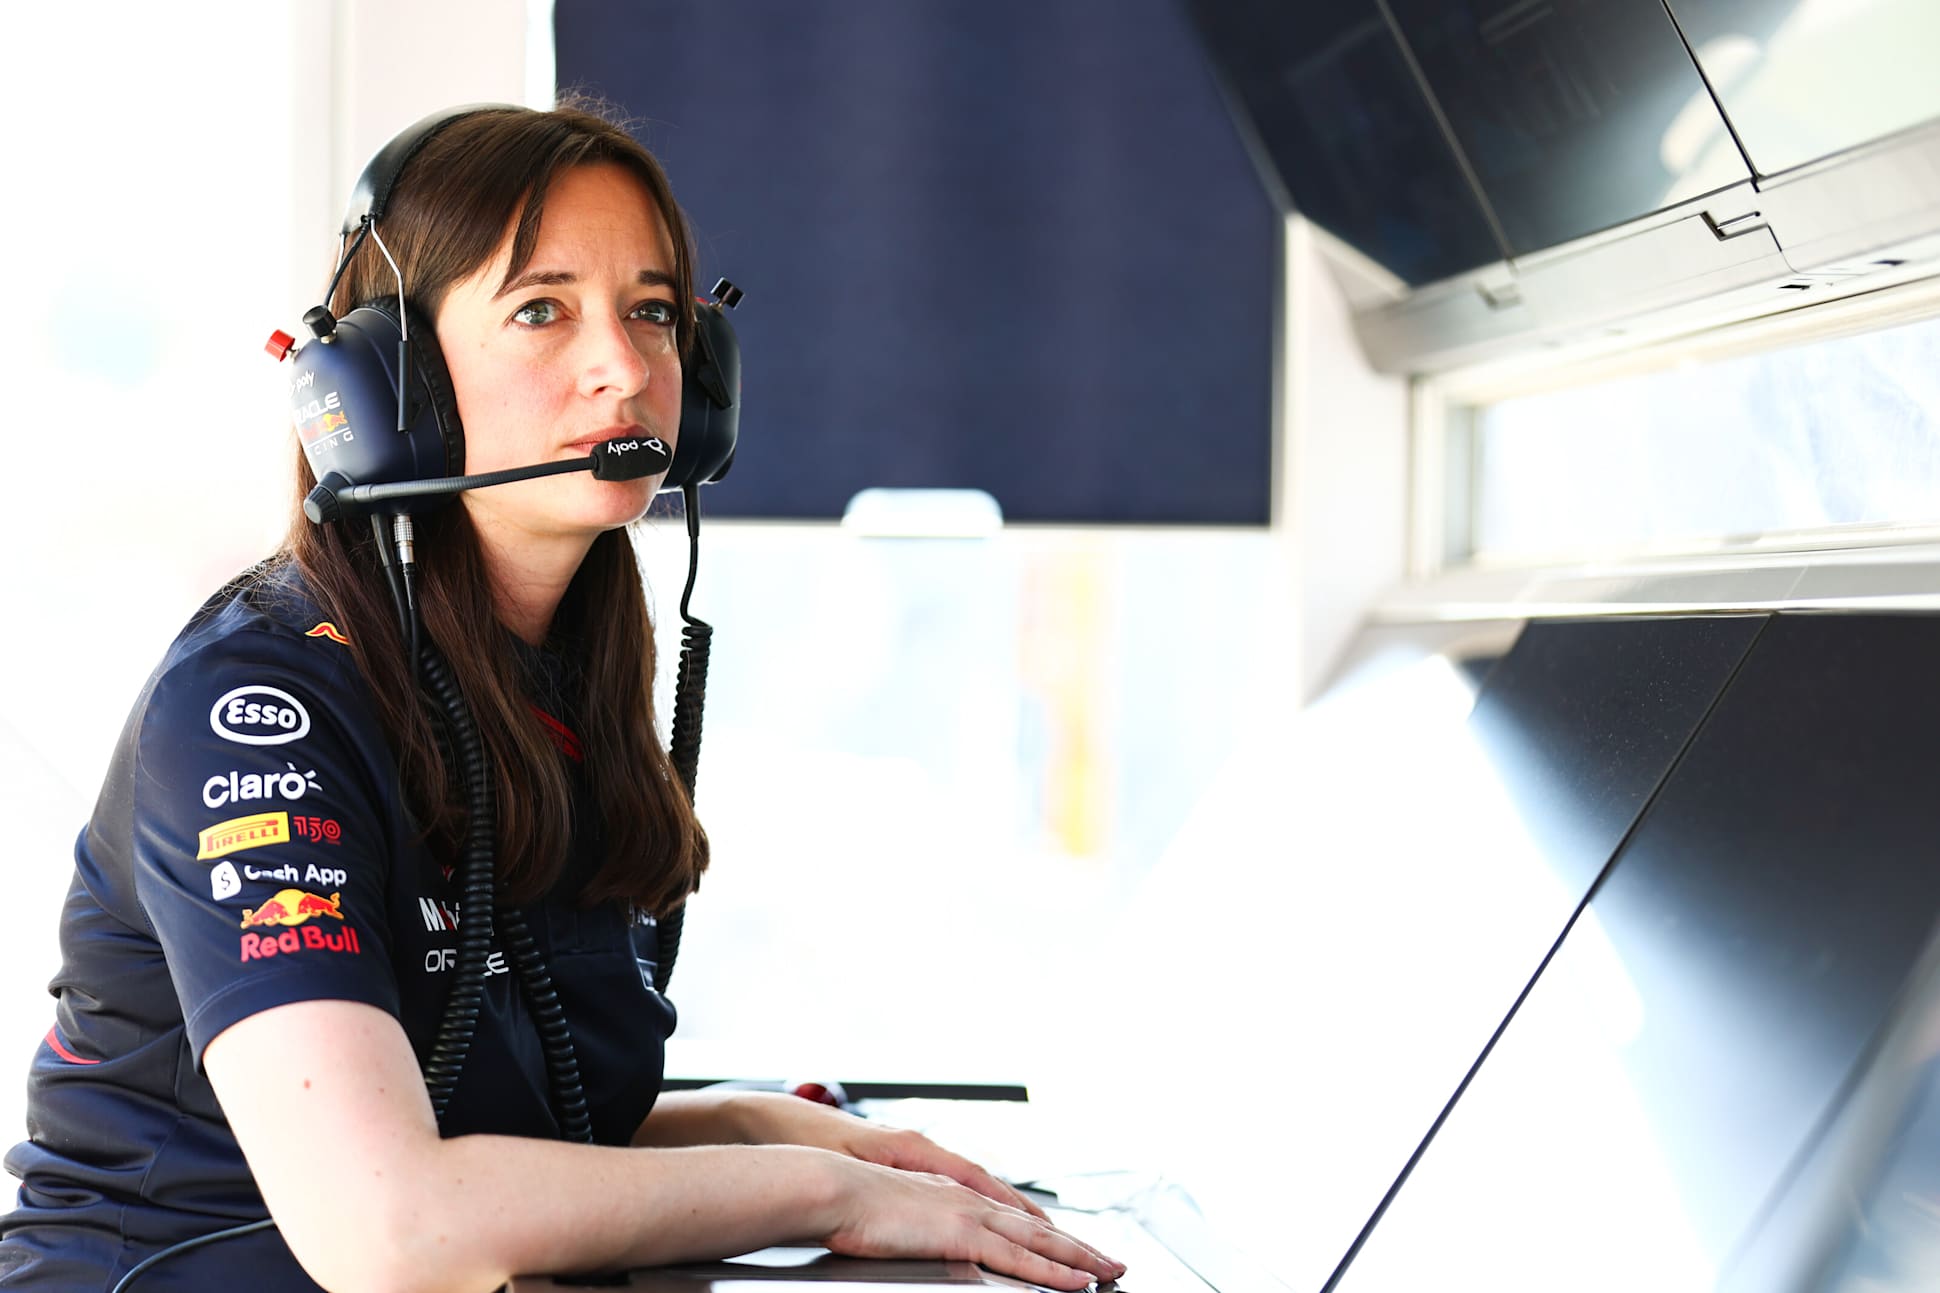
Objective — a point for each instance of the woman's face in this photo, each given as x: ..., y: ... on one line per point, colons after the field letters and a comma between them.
x: 579, y: 348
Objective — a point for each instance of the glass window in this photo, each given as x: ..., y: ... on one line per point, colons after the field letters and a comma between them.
x: 1836, y: 432
x: 147, y: 441
x: 1801, y: 79
x: 932, y: 768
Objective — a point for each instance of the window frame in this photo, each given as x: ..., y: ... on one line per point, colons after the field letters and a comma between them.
x: 1445, y: 573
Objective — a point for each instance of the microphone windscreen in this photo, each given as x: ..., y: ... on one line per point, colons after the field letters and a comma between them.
x: 630, y: 459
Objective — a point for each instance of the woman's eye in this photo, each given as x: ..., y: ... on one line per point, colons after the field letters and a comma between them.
x: 654, y: 311
x: 536, y: 314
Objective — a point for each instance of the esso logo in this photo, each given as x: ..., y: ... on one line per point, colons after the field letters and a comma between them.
x: 259, y: 715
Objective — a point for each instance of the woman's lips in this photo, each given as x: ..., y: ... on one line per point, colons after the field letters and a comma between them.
x: 585, y: 444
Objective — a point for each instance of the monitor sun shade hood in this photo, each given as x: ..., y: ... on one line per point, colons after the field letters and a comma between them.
x: 1494, y: 178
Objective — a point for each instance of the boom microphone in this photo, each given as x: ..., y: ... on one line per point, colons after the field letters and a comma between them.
x: 630, y: 459
x: 335, y: 497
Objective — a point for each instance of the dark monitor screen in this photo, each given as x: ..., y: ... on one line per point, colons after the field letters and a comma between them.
x: 1427, y: 846
x: 1707, y: 1011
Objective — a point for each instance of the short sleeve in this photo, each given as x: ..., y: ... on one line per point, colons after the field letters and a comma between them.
x: 263, y: 841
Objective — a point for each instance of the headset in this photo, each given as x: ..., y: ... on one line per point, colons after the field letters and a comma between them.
x: 375, y: 412
x: 371, y: 397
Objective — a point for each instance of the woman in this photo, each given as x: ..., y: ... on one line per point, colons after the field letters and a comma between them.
x: 258, y: 943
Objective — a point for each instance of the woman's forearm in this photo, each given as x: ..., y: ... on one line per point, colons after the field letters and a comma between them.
x: 491, y: 1207
x: 687, y: 1118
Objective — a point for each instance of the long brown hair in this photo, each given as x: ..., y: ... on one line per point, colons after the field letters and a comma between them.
x: 447, y: 217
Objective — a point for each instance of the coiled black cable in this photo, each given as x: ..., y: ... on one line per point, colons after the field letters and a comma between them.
x: 690, y: 704
x: 690, y: 697
x: 690, y: 683
x: 447, y: 1058
x: 667, y: 946
x: 479, y: 915
x: 555, y: 1035
x: 535, y: 980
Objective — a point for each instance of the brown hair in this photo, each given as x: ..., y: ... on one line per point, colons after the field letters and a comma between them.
x: 447, y: 217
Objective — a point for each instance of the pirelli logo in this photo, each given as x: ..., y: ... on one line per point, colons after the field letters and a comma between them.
x: 239, y: 833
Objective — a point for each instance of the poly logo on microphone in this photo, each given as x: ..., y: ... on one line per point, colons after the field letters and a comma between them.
x: 630, y: 459
x: 617, y: 447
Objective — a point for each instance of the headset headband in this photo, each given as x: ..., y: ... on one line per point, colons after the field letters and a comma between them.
x: 373, y: 191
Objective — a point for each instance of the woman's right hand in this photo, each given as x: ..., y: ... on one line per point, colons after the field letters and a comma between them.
x: 889, y: 1212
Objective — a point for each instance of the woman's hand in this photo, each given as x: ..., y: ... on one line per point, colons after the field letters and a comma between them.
x: 772, y: 1118
x: 885, y: 1212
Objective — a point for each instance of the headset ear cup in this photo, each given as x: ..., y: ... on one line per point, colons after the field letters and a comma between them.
x: 432, y: 378
x: 710, y: 411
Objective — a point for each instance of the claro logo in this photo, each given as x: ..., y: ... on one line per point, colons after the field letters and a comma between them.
x: 242, y: 787
x: 259, y: 715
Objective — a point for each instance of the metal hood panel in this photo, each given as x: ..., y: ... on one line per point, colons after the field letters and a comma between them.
x: 1821, y: 232
x: 1597, y: 141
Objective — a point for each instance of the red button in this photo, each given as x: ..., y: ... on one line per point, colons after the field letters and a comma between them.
x: 279, y: 344
x: 829, y: 1093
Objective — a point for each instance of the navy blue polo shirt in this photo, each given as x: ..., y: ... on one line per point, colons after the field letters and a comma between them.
x: 250, y: 848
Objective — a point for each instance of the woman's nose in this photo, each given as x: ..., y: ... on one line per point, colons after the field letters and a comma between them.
x: 612, y: 361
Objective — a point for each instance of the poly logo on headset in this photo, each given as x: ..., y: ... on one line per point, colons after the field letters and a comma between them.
x: 258, y: 715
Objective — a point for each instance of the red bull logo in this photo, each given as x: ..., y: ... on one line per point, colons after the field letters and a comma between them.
x: 325, y: 629
x: 238, y: 833
x: 292, y: 907
x: 289, y: 942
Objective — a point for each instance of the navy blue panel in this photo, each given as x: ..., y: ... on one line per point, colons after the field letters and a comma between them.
x: 1350, y: 134
x: 1565, y: 109
x: 1857, y: 1209
x: 1727, y: 979
x: 1013, y: 245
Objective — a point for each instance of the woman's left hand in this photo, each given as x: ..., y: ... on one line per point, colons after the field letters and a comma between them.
x: 774, y: 1118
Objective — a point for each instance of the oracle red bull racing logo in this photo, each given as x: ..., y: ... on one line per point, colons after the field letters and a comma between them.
x: 321, y: 423
x: 293, y: 909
